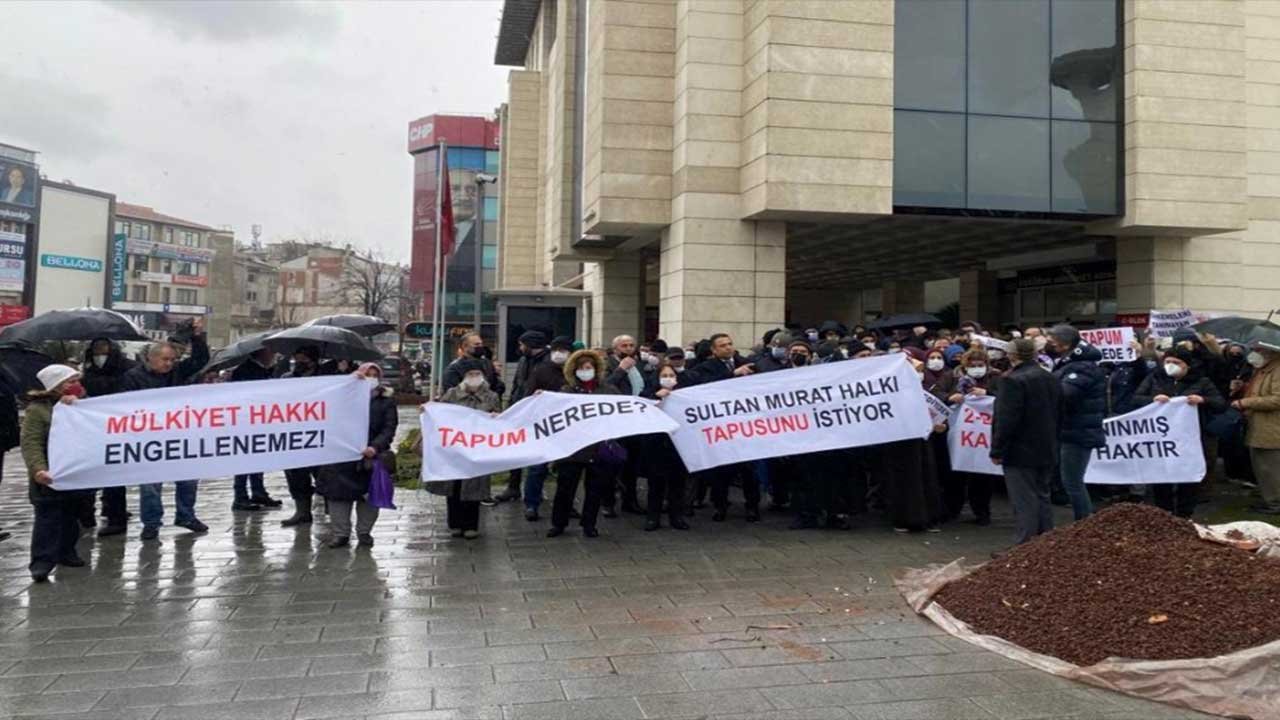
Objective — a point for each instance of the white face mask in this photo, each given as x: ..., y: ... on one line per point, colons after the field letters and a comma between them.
x: 1040, y: 342
x: 648, y: 358
x: 472, y: 382
x: 778, y: 352
x: 1256, y: 359
x: 586, y: 374
x: 1015, y: 334
x: 688, y: 355
x: 559, y: 357
x: 936, y: 364
x: 979, y: 371
x: 667, y: 382
x: 1173, y: 370
x: 99, y: 360
x: 372, y: 382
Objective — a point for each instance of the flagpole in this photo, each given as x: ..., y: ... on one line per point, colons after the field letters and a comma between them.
x: 436, y: 370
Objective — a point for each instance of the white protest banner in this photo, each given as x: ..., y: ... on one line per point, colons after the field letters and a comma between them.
x: 459, y: 442
x: 991, y: 343
x: 1158, y: 443
x: 203, y: 431
x: 939, y: 413
x: 1114, y: 343
x: 969, y: 438
x: 820, y: 407
x: 1163, y: 323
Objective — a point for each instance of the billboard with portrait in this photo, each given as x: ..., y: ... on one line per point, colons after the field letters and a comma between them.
x: 18, y: 183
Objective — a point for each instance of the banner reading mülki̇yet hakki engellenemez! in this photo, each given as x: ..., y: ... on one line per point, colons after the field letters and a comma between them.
x: 459, y: 442
x: 822, y: 407
x: 203, y: 431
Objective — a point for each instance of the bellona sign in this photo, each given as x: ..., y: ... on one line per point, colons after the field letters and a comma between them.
x: 69, y: 262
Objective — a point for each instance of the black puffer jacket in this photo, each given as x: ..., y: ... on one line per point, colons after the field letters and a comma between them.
x: 251, y: 370
x: 105, y: 380
x: 1084, y: 397
x: 1193, y: 383
x: 350, y: 480
x: 140, y: 376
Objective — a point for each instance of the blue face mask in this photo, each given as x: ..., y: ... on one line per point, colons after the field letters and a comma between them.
x: 1151, y: 364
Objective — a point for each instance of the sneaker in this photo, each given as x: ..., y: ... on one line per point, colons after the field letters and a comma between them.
x: 40, y: 571
x: 339, y: 542
x: 193, y: 525
x: 531, y: 514
x: 245, y: 505
x: 489, y: 501
x: 297, y: 519
x: 266, y: 501
x: 109, y: 530
x: 509, y: 494
x: 366, y: 540
x: 471, y: 534
x: 933, y: 529
x: 150, y: 533
x: 73, y: 561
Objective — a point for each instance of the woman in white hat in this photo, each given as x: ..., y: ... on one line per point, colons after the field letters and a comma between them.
x: 57, y: 527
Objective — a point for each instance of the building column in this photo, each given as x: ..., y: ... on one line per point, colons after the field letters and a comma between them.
x: 980, y: 298
x: 1204, y: 274
x: 617, y: 298
x: 901, y: 296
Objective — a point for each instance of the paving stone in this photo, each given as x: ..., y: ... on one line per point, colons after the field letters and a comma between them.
x: 753, y: 677
x: 303, y: 686
x: 358, y: 704
x: 611, y: 708
x: 841, y: 694
x: 1025, y: 706
x: 246, y: 671
x: 704, y: 660
x: 600, y: 648
x: 499, y: 694
x: 50, y: 703
x: 157, y: 696
x: 624, y: 686
x: 553, y: 670
x: 702, y: 703
x: 149, y: 677
x: 251, y: 710
x: 958, y: 709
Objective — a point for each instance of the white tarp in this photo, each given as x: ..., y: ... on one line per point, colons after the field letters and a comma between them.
x: 969, y: 436
x: 1158, y: 443
x: 802, y: 410
x: 459, y: 442
x: 201, y: 431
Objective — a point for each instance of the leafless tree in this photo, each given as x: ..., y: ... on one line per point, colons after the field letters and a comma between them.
x: 373, y: 286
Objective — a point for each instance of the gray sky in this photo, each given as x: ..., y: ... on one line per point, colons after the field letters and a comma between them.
x: 233, y: 113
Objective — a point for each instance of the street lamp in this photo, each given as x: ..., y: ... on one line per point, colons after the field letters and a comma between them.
x: 482, y: 179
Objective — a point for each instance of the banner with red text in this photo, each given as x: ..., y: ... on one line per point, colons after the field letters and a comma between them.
x: 969, y: 437
x: 458, y: 442
x: 206, y: 431
x: 821, y: 407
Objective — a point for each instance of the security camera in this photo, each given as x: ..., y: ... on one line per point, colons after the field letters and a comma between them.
x: 486, y: 178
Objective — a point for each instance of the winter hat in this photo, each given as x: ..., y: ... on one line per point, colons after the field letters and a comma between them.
x: 311, y: 351
x: 54, y: 375
x: 468, y: 364
x: 769, y: 334
x: 533, y: 339
x: 675, y: 353
x: 1065, y: 334
x: 1185, y: 333
x: 658, y: 347
x: 1022, y: 350
x: 562, y: 342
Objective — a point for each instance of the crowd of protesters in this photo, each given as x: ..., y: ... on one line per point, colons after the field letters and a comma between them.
x: 1052, y: 393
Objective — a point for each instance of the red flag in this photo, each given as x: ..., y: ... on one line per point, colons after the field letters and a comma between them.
x: 447, y: 231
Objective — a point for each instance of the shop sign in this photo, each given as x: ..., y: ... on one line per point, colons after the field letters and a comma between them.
x: 172, y: 252
x: 70, y: 262
x: 155, y: 277
x: 13, y: 275
x: 197, y: 280
x: 118, y: 244
x: 10, y: 314
x: 12, y: 250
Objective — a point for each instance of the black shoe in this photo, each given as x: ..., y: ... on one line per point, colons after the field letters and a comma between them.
x: 73, y: 561
x: 150, y: 533
x: 247, y: 505
x: 339, y: 542
x: 575, y: 515
x: 835, y: 522
x: 366, y: 540
x: 555, y: 532
x: 677, y: 523
x: 982, y: 520
x: 609, y: 512
x: 719, y: 516
x: 297, y: 519
x: 109, y: 530
x: 266, y: 501
x: 632, y: 507
x: 489, y: 501
x: 753, y: 515
x: 590, y: 532
x: 803, y: 524
x: 651, y: 525
x: 531, y: 515
x: 5, y: 535
x: 194, y: 526
x: 40, y: 571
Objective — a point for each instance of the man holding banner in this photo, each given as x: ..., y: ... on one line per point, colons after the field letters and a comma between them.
x: 1024, y: 439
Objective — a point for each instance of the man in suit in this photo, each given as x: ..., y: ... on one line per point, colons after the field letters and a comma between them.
x: 725, y: 363
x: 1024, y: 439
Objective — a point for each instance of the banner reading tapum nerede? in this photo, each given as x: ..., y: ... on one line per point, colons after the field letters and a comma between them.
x: 822, y: 407
x: 459, y: 442
x: 204, y: 431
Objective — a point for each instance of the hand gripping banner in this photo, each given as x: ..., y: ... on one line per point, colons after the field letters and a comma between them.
x: 202, y: 431
x: 821, y: 407
x: 459, y: 442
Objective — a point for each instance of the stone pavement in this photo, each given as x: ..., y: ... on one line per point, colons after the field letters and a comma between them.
x: 725, y: 621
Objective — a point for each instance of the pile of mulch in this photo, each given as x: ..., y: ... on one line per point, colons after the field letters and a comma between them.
x: 1131, y: 581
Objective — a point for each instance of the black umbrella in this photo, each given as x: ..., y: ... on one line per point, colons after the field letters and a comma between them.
x: 366, y: 325
x: 1265, y: 334
x: 334, y: 342
x: 78, y: 324
x: 1234, y: 327
x: 237, y: 352
x: 908, y: 320
x: 18, y: 368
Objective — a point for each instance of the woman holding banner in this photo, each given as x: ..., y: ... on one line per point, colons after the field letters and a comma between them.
x: 56, y: 527
x: 976, y: 377
x: 584, y: 373
x: 462, y: 497
x: 662, y: 465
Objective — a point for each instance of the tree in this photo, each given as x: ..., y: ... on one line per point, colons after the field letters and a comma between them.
x: 372, y: 286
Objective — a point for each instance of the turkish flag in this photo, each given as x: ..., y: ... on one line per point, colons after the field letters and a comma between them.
x: 446, y: 232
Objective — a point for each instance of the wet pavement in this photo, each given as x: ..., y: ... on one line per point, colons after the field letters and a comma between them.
x: 727, y: 620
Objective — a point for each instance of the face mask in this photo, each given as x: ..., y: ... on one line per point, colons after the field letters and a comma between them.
x: 667, y: 382
x: 1151, y: 364
x: 679, y: 369
x: 74, y: 389
x: 99, y: 360
x: 477, y: 352
x: 870, y: 346
x: 799, y: 360
x: 473, y: 382
x: 996, y: 354
x: 975, y: 372
x: 688, y: 355
x: 1015, y: 334
x: 649, y: 358
x: 778, y: 352
x: 1173, y: 370
x: 1256, y: 359
x: 559, y: 357
x: 936, y: 364
x: 1040, y: 342
x: 586, y: 374
x: 813, y: 336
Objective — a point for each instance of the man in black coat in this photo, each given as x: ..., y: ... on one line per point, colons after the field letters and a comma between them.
x: 1084, y: 407
x: 472, y: 345
x: 533, y: 354
x: 306, y: 363
x: 1024, y: 439
x: 260, y: 366
x: 725, y: 363
x: 547, y: 376
x: 161, y: 369
x: 103, y: 373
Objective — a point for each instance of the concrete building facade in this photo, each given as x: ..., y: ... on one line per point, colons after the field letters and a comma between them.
x: 731, y: 165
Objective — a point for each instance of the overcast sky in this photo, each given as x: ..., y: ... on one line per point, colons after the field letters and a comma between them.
x: 292, y: 116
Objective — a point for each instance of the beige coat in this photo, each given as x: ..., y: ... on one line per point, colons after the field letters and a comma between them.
x: 477, y: 488
x: 1261, y: 404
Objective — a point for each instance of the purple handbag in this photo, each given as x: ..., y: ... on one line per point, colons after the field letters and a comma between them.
x: 611, y: 452
x: 382, y: 492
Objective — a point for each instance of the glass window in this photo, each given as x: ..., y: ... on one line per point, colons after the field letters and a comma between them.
x: 489, y: 256
x: 122, y: 228
x: 491, y: 161
x: 930, y: 74
x: 928, y: 159
x: 251, y: 296
x: 166, y: 266
x: 490, y: 209
x: 1107, y: 305
x: 1008, y: 163
x: 186, y: 297
x: 1009, y: 57
x: 138, y: 293
x: 1084, y: 167
x: 1032, y: 304
x: 164, y: 294
x: 1086, y: 60
x: 168, y: 235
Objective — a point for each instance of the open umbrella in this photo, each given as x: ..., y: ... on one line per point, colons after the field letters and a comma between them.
x: 85, y: 323
x: 237, y: 352
x: 334, y: 342
x: 18, y: 368
x: 366, y: 325
x: 1234, y: 327
x: 908, y: 320
x: 1263, y: 334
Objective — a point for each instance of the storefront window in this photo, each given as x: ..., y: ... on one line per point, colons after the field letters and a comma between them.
x: 928, y: 152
